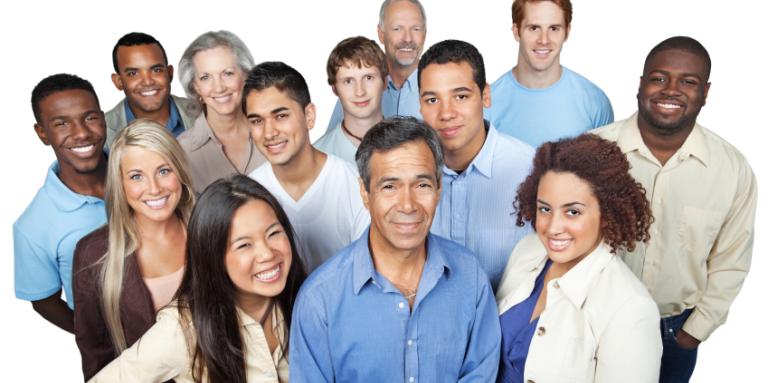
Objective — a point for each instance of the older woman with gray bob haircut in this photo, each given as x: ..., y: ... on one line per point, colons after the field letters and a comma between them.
x: 213, y: 70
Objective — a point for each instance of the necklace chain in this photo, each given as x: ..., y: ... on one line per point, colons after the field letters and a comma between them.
x: 344, y: 128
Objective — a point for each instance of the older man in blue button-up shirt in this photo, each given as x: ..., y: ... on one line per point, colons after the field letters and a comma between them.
x: 398, y: 304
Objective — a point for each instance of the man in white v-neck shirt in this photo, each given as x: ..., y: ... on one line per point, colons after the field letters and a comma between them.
x: 319, y: 192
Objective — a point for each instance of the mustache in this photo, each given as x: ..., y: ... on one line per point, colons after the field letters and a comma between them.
x: 407, y: 45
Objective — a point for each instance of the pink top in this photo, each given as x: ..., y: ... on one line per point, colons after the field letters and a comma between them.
x: 164, y: 287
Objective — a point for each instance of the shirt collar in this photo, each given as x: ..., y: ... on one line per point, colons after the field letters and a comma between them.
x: 410, y: 83
x: 201, y: 133
x: 174, y: 118
x: 575, y: 284
x: 62, y: 196
x: 247, y: 320
x: 362, y: 263
x: 483, y: 161
x: 630, y: 140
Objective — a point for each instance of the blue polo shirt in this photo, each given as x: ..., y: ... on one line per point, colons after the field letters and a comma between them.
x: 350, y: 324
x: 175, y: 124
x: 475, y: 208
x: 45, y: 235
x: 567, y: 108
x: 394, y: 101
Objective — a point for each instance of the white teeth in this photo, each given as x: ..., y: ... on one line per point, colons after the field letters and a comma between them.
x: 149, y: 93
x: 222, y: 99
x: 559, y: 244
x: 669, y: 106
x: 83, y: 149
x: 156, y: 203
x: 268, y: 275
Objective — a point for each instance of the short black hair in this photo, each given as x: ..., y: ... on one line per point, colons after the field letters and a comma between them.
x: 682, y: 43
x: 455, y: 51
x: 281, y: 76
x: 133, y: 39
x: 56, y: 83
x: 392, y: 133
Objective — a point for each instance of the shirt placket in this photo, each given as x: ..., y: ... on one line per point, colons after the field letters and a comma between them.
x: 411, y: 343
x: 459, y: 209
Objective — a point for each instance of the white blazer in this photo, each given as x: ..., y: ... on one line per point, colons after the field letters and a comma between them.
x: 599, y: 325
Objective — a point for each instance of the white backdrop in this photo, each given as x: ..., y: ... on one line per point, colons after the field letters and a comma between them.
x: 608, y: 43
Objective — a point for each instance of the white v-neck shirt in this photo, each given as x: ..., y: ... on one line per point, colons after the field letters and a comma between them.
x: 330, y: 214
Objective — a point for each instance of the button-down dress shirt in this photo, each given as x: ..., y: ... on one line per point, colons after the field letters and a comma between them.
x: 163, y: 353
x: 350, y: 324
x: 403, y: 101
x: 703, y: 201
x: 599, y: 325
x: 475, y: 206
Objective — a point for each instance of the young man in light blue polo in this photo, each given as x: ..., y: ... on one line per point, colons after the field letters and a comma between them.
x: 70, y: 203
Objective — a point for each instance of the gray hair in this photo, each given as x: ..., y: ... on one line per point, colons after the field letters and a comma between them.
x: 392, y: 133
x: 204, y: 42
x: 387, y: 3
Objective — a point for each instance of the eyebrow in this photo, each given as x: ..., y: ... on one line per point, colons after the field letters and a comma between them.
x: 276, y: 223
x: 569, y: 204
x: 666, y: 73
x: 66, y: 117
x: 430, y: 177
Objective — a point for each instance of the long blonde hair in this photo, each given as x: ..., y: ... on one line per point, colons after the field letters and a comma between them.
x: 124, y: 238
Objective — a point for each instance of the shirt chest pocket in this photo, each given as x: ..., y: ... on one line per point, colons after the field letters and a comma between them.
x: 698, y: 229
x: 577, y: 360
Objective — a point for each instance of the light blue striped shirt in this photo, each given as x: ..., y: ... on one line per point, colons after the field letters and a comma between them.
x: 394, y: 102
x: 475, y: 206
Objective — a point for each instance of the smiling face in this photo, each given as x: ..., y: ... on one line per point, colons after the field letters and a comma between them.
x: 402, y: 33
x: 151, y: 186
x: 279, y: 125
x: 359, y: 90
x: 258, y: 254
x: 672, y: 91
x: 218, y: 80
x: 567, y: 217
x: 402, y: 198
x: 144, y: 77
x: 452, y: 104
x: 541, y: 36
x: 72, y: 123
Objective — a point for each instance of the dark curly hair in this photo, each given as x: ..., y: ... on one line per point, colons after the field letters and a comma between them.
x: 624, y: 210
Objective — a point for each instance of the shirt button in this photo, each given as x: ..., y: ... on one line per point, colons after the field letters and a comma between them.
x: 401, y: 305
x: 541, y: 331
x: 410, y: 342
x: 529, y: 381
x: 411, y: 379
x: 557, y: 285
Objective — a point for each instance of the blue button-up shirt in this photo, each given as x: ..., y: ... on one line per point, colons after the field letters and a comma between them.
x: 350, y: 324
x: 394, y: 101
x: 475, y: 206
x: 45, y: 235
x: 175, y: 124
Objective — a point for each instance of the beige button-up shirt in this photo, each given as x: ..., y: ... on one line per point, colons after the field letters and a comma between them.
x: 599, y: 325
x: 163, y: 353
x: 703, y: 201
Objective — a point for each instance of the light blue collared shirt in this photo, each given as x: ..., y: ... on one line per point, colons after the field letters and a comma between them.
x: 394, y: 102
x: 175, y: 124
x: 567, y: 108
x: 475, y: 206
x: 350, y: 324
x: 45, y: 235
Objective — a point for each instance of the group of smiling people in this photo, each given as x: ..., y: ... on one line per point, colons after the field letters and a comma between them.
x: 233, y: 250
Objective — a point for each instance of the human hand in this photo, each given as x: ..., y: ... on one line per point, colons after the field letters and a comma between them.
x: 686, y: 340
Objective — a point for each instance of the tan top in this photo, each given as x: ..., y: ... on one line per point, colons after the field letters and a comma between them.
x: 205, y: 153
x: 163, y: 288
x: 599, y: 324
x: 703, y: 201
x: 163, y: 353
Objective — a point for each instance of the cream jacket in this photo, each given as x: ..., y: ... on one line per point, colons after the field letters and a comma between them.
x: 599, y: 325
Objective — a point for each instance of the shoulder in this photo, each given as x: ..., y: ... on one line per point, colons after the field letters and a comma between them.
x: 504, y: 81
x: 582, y: 82
x: 460, y: 258
x: 611, y: 131
x: 35, y: 214
x: 327, y: 281
x: 618, y: 290
x: 189, y: 108
x: 342, y: 168
x: 91, y: 248
x: 513, y: 147
x: 195, y: 136
x: 724, y: 150
x: 262, y: 174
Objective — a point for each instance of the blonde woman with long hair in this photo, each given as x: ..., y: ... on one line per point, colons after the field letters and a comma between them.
x: 128, y: 270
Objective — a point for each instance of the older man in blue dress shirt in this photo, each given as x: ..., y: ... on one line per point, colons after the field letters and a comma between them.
x: 398, y: 304
x: 482, y: 166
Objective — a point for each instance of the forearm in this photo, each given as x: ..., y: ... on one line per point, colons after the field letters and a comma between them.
x: 56, y: 311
